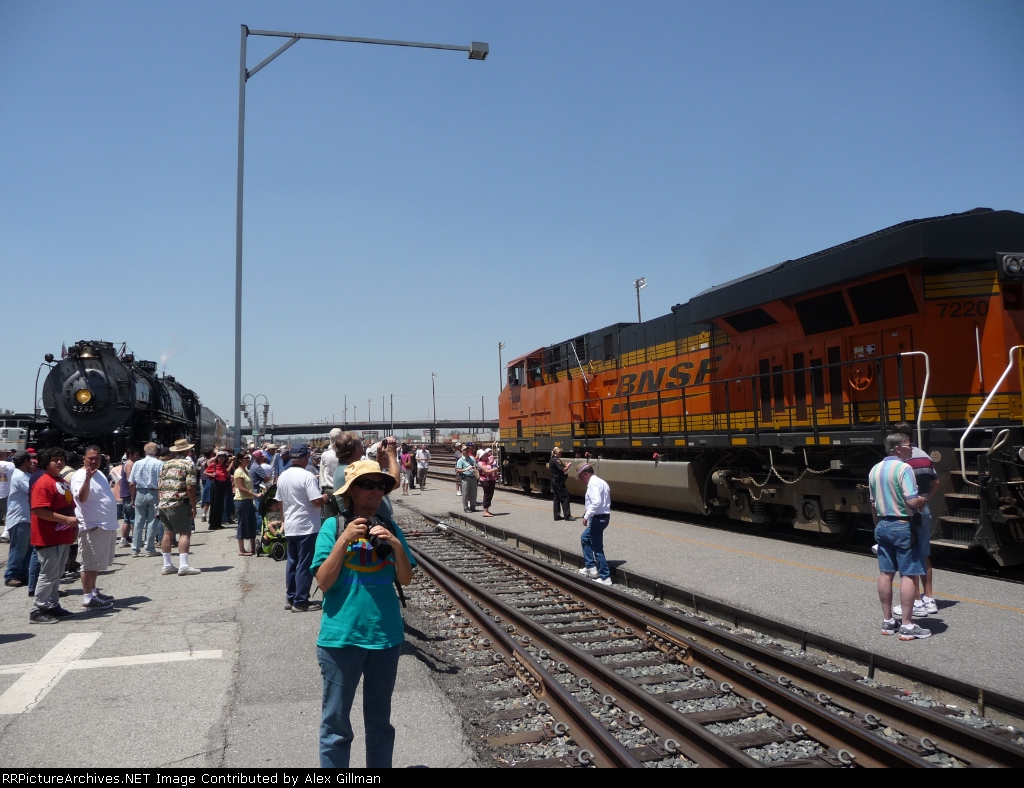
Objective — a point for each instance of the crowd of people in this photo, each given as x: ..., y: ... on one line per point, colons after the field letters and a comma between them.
x: 334, y: 516
x: 62, y: 513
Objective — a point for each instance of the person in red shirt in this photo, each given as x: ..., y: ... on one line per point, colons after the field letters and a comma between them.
x: 54, y: 530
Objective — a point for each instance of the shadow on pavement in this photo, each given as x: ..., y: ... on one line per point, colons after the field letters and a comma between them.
x: 16, y: 637
x: 130, y: 601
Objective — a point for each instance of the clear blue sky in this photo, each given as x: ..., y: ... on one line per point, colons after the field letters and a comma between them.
x: 408, y: 209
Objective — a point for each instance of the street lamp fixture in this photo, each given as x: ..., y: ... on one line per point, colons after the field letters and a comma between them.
x: 501, y: 369
x: 477, y: 51
x: 639, y: 284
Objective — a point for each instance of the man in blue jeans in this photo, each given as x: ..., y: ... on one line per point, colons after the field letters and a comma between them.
x: 19, y: 522
x: 144, y: 484
x: 301, y: 499
x: 894, y: 497
x: 596, y: 514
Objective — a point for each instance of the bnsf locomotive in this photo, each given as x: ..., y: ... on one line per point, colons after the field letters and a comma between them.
x: 102, y: 395
x: 767, y: 399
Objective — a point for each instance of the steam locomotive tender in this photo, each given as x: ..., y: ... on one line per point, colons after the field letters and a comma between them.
x: 767, y: 399
x: 98, y: 394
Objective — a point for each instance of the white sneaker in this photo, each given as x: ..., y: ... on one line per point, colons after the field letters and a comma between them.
x: 605, y: 581
x: 591, y: 573
x: 123, y: 543
x: 188, y: 570
x: 169, y: 570
x: 919, y: 610
x: 874, y: 549
x: 929, y: 604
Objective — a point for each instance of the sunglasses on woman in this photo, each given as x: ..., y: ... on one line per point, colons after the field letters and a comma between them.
x: 367, y: 484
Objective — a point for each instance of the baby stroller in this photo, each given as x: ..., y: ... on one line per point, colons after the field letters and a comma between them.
x: 271, y: 540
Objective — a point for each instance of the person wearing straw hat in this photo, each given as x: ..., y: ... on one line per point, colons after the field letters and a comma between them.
x: 177, y: 507
x: 359, y: 562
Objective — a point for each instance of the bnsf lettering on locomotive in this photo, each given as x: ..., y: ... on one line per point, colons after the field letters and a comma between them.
x: 678, y: 377
x: 706, y: 368
x: 648, y: 382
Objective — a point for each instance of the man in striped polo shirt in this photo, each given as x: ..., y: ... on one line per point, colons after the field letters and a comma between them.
x: 894, y: 496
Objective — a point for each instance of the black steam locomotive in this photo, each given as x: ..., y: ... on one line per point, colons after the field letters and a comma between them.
x: 100, y: 394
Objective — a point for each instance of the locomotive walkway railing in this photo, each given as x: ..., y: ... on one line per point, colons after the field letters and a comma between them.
x: 845, y: 394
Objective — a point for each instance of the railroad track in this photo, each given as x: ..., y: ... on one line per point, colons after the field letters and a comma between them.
x: 624, y: 682
x: 858, y: 543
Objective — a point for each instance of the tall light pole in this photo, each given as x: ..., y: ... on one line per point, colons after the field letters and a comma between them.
x: 639, y: 284
x: 501, y: 369
x: 433, y: 397
x: 476, y: 50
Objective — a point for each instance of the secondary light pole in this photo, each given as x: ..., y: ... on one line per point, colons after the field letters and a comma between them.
x: 639, y: 284
x: 501, y: 369
x: 476, y: 50
x: 433, y: 397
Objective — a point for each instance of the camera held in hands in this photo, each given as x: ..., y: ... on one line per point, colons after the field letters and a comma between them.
x: 380, y: 547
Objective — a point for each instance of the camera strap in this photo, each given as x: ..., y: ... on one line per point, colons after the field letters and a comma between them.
x: 343, y: 520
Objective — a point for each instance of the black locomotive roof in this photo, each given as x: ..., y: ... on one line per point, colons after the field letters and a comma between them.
x: 971, y: 236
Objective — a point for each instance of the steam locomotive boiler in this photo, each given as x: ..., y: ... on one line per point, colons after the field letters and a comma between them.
x: 100, y: 394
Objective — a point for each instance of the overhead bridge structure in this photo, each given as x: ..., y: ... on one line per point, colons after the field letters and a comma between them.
x: 383, y: 427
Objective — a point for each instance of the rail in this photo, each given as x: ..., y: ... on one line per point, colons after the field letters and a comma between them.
x: 977, y: 416
x: 543, y: 604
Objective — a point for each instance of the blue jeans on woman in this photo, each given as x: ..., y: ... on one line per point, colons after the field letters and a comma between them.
x: 592, y: 540
x: 342, y: 669
x: 18, y: 557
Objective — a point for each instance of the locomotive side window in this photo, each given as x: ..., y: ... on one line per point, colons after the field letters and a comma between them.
x: 800, y: 386
x: 765, y: 384
x: 516, y: 375
x: 817, y: 384
x: 835, y: 383
x: 141, y: 392
x: 609, y: 347
x: 779, y: 385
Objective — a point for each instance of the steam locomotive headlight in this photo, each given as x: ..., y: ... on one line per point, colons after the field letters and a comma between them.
x: 83, y: 396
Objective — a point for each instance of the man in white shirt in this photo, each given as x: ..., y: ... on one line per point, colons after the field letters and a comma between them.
x: 422, y: 465
x: 6, y: 472
x: 598, y: 503
x: 19, y: 522
x: 301, y: 500
x: 96, y: 510
x: 329, y: 464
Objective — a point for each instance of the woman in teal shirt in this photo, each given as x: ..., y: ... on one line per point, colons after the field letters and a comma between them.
x: 361, y: 629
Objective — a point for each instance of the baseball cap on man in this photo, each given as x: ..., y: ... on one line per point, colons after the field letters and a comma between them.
x: 298, y: 452
x: 20, y: 456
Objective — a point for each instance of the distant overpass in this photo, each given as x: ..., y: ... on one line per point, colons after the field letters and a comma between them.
x: 383, y: 427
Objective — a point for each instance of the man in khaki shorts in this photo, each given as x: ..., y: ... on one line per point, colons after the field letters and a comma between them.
x: 96, y: 510
x: 178, y: 507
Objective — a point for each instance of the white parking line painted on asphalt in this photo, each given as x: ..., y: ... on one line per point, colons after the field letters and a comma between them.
x: 42, y: 676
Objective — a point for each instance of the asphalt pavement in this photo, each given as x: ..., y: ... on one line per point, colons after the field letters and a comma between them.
x: 205, y: 671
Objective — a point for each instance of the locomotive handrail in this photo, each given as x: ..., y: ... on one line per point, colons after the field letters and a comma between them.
x: 924, y: 390
x: 988, y: 399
